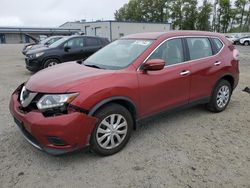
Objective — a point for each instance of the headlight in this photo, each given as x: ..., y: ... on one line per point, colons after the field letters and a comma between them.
x: 39, y: 54
x: 28, y: 47
x: 53, y: 101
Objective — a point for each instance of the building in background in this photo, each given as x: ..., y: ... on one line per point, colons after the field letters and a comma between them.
x: 15, y: 35
x: 114, y: 30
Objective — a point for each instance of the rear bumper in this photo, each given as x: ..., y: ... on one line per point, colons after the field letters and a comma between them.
x: 74, y: 129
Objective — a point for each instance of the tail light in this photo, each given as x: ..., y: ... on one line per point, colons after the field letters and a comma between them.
x: 236, y: 54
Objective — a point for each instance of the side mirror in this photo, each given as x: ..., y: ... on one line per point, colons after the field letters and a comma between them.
x: 67, y: 48
x: 154, y: 65
x: 46, y: 44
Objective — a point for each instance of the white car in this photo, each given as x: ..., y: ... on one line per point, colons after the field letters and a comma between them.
x: 245, y: 41
x: 232, y: 38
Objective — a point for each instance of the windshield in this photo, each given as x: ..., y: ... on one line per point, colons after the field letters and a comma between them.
x: 51, y: 41
x: 45, y: 40
x: 118, y: 54
x: 58, y: 43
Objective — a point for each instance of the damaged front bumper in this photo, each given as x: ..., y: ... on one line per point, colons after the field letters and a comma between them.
x: 55, y: 135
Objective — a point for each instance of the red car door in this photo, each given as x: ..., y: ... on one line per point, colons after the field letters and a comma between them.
x: 169, y: 87
x: 204, y: 67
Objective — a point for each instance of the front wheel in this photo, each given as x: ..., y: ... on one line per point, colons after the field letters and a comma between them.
x: 112, y: 131
x: 221, y: 96
x: 246, y: 43
x: 50, y: 63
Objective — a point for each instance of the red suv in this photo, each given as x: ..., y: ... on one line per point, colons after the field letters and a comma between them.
x: 98, y: 102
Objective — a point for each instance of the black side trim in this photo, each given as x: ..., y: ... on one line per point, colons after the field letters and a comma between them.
x: 185, y: 49
x: 215, y: 50
x: 224, y: 75
x: 176, y: 108
x: 98, y: 105
x: 51, y: 57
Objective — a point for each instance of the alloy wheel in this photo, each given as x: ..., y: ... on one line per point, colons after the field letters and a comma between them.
x: 111, y: 131
x: 223, y: 96
x: 52, y: 64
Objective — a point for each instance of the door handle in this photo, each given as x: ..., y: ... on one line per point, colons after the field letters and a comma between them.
x: 217, y: 63
x: 185, y: 72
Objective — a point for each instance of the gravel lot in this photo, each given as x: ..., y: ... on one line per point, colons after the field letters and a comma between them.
x: 191, y: 148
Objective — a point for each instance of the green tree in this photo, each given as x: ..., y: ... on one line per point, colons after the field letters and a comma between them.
x: 155, y: 10
x: 190, y: 14
x: 246, y: 27
x: 143, y: 10
x: 224, y: 16
x: 176, y: 14
x: 215, y: 15
x: 121, y: 14
x: 203, y: 20
x: 131, y: 11
x: 184, y: 14
x: 241, y: 5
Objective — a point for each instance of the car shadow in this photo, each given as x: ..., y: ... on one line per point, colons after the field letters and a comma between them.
x: 159, y: 122
x: 142, y: 127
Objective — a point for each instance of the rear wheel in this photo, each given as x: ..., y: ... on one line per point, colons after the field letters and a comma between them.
x: 50, y: 63
x: 112, y: 131
x: 221, y: 96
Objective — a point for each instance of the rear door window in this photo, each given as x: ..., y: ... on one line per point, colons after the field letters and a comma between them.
x: 74, y: 43
x: 199, y: 47
x: 92, y: 41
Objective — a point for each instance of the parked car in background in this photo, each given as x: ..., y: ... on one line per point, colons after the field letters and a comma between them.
x: 237, y: 41
x: 46, y: 42
x: 70, y: 48
x: 27, y: 46
x: 98, y: 102
x: 232, y: 39
x: 245, y: 41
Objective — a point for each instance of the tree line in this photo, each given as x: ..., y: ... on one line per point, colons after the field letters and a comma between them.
x: 219, y: 15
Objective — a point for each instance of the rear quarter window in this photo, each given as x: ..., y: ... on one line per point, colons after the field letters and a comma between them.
x: 218, y: 44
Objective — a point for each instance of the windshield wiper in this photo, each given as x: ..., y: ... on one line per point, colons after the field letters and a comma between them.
x: 93, y: 66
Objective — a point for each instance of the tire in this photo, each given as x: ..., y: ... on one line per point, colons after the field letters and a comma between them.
x: 50, y: 63
x: 113, y: 142
x: 246, y: 43
x: 221, y: 97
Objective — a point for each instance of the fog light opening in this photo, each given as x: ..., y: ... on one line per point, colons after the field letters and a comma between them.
x: 56, y: 141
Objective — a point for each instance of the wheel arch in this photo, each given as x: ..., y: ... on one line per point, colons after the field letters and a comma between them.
x: 247, y: 41
x: 123, y: 101
x: 228, y: 77
x: 52, y: 57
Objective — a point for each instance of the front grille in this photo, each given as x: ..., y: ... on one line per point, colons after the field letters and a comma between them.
x: 32, y: 105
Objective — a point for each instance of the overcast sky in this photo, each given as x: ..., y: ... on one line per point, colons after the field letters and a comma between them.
x: 53, y: 13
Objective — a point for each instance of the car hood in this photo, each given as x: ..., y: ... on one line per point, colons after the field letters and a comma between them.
x: 33, y: 38
x: 34, y: 47
x: 61, y: 78
x: 37, y: 50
